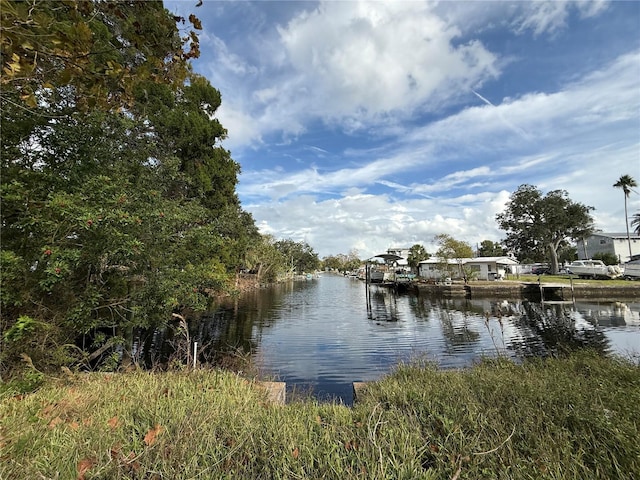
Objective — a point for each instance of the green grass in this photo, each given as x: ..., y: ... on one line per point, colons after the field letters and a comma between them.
x: 574, y: 418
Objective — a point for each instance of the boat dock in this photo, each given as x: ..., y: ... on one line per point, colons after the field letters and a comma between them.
x: 551, y: 293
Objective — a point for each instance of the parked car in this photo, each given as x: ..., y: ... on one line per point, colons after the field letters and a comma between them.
x: 540, y: 270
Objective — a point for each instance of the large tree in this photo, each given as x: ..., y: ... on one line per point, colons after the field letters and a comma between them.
x: 538, y: 225
x: 299, y: 255
x: 626, y: 183
x: 98, y: 52
x: 119, y: 205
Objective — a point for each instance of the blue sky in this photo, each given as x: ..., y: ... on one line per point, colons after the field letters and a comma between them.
x: 370, y: 125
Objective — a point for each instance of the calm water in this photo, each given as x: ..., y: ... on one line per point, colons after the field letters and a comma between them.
x: 318, y: 335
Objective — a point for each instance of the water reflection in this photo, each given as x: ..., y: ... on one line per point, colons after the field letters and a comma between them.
x: 320, y: 335
x: 554, y: 329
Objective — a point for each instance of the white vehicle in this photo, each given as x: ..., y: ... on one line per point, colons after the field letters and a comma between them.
x: 594, y: 269
x: 632, y: 270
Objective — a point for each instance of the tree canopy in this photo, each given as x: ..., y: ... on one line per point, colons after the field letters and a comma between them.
x: 490, y: 249
x: 341, y: 262
x: 101, y: 51
x: 538, y: 225
x: 298, y: 255
x: 417, y: 253
x: 119, y: 204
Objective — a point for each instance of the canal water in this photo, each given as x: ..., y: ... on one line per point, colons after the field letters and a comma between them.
x: 318, y: 335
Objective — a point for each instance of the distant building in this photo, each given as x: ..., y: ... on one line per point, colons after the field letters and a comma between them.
x: 401, y: 252
x: 615, y: 243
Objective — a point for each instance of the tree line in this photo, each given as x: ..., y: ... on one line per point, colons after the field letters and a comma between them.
x: 119, y: 204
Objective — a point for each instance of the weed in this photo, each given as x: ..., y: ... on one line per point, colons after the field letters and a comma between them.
x: 573, y: 418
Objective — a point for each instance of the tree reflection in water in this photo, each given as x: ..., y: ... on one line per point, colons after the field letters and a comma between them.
x: 553, y: 331
x: 326, y: 323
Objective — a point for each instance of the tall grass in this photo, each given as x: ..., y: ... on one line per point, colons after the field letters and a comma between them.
x: 556, y: 419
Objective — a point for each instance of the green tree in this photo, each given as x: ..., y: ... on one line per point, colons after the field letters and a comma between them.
x: 341, y: 262
x: 538, y: 225
x: 353, y: 261
x: 95, y: 52
x: 119, y: 205
x: 490, y: 249
x: 451, y: 249
x: 265, y: 260
x: 626, y: 183
x: 607, y: 258
x: 417, y: 253
x: 299, y: 256
x: 567, y: 253
x: 332, y: 262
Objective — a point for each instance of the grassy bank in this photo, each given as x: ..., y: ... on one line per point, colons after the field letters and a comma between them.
x: 562, y: 419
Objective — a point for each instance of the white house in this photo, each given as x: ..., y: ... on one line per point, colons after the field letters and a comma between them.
x: 615, y: 243
x: 490, y: 268
x: 481, y: 268
x: 431, y: 269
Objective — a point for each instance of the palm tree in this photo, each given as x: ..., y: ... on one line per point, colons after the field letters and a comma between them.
x: 626, y: 183
x: 636, y: 222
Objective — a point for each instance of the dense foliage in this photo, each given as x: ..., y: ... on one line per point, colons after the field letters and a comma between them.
x: 299, y: 256
x: 417, y: 253
x: 341, y: 262
x: 119, y: 204
x: 491, y: 249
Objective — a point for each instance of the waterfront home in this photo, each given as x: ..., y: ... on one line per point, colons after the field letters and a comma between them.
x: 490, y: 268
x: 478, y: 268
x: 436, y: 268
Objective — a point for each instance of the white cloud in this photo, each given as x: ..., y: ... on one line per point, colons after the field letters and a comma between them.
x: 352, y: 64
x: 587, y: 129
x: 549, y: 16
x: 362, y: 60
x: 368, y: 68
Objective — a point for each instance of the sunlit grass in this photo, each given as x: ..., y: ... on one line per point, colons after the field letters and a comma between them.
x: 559, y: 418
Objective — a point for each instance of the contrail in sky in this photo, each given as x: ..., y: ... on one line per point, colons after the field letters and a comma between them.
x: 513, y: 127
x: 482, y: 98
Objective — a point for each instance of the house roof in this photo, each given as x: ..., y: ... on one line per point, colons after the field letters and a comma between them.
x: 615, y: 235
x: 451, y: 261
x: 464, y: 261
x: 500, y: 260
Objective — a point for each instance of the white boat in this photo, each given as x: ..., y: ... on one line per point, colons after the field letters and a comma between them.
x: 632, y: 270
x: 594, y: 269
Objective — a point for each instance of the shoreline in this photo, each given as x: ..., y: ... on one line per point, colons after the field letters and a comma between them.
x: 531, y: 290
